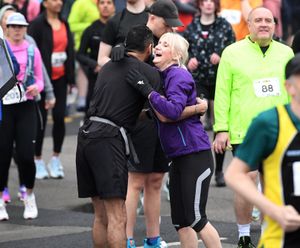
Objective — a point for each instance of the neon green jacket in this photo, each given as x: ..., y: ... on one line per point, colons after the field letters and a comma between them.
x: 83, y: 13
x: 248, y: 82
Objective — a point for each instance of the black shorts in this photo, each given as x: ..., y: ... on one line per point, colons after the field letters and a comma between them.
x: 207, y: 90
x: 101, y: 162
x: 189, y: 184
x: 147, y: 146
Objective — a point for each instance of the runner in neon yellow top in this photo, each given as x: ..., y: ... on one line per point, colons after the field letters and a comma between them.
x: 273, y: 141
x: 250, y: 79
x: 248, y: 82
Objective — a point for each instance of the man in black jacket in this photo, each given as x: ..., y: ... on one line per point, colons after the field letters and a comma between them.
x: 101, y: 157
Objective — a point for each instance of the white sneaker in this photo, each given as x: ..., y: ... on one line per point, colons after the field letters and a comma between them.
x: 3, y: 213
x: 30, y: 211
x: 55, y: 168
x: 41, y: 171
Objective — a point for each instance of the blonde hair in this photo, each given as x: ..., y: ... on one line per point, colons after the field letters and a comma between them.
x: 179, y: 47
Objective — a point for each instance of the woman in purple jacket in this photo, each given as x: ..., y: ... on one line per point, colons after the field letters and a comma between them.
x: 184, y: 141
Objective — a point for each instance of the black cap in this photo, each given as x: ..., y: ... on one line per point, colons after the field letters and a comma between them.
x: 167, y: 10
x: 293, y: 67
x: 138, y: 38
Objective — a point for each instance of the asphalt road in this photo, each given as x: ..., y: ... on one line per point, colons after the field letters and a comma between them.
x: 65, y: 220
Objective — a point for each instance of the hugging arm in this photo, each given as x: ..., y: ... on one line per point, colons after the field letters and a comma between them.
x: 141, y: 83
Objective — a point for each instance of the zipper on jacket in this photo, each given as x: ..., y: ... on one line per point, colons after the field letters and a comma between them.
x: 181, y: 135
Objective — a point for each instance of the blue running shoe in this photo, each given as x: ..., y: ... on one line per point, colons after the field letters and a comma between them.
x: 130, y: 243
x: 41, y: 171
x: 55, y: 168
x: 160, y: 244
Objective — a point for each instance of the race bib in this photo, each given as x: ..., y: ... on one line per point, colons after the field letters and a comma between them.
x: 296, y: 178
x: 232, y: 16
x: 267, y: 87
x: 58, y: 59
x: 15, y: 95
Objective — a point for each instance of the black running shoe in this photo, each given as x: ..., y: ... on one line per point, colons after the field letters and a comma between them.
x: 219, y: 178
x: 245, y: 242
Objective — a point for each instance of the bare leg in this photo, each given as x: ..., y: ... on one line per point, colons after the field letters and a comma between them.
x: 135, y: 186
x: 243, y: 208
x: 100, y: 224
x: 116, y: 217
x: 210, y: 237
x: 152, y: 200
x: 188, y: 237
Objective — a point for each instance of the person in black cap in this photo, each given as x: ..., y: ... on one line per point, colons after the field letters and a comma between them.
x: 273, y: 141
x: 167, y: 10
x: 103, y: 146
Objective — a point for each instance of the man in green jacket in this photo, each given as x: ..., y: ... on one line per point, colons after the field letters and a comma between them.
x: 250, y: 79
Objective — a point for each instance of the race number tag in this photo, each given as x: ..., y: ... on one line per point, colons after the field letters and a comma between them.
x: 266, y: 87
x: 58, y: 59
x: 232, y: 16
x: 296, y: 178
x: 15, y: 95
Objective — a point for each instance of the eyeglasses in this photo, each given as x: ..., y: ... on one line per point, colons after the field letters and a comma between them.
x: 16, y: 26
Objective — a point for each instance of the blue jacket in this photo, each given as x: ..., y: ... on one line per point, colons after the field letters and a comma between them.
x: 179, y: 137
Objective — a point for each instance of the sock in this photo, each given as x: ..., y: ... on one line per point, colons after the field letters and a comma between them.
x: 244, y: 230
x: 152, y: 241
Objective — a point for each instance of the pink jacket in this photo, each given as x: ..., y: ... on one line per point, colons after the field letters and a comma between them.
x: 20, y: 52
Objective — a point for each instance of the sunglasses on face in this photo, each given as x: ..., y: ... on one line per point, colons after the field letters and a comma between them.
x: 16, y: 26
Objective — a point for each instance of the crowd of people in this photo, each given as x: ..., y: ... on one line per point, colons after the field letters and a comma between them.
x: 153, y: 77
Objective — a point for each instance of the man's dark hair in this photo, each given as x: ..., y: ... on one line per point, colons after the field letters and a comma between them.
x: 138, y: 38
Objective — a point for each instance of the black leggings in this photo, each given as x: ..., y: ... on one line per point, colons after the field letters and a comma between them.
x: 189, y: 184
x: 18, y: 126
x: 58, y: 115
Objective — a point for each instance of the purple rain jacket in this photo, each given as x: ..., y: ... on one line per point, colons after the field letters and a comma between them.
x: 185, y: 136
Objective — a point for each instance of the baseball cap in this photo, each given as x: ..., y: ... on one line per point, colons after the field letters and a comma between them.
x: 137, y: 38
x: 293, y: 67
x: 167, y: 10
x: 16, y: 19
